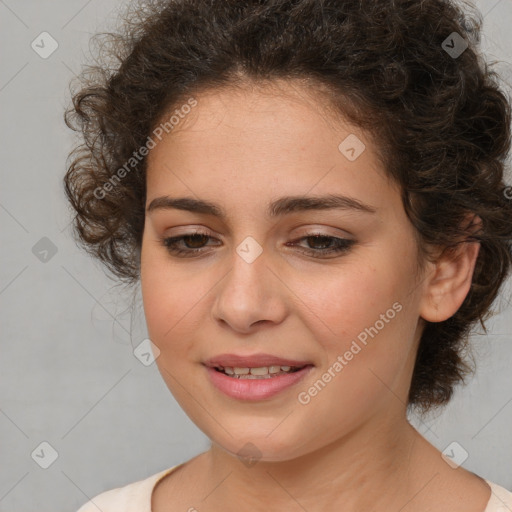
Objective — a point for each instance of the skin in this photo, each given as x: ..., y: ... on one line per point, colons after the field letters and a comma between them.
x: 351, y: 447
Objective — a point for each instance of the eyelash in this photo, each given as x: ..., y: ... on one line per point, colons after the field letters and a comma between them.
x: 343, y: 245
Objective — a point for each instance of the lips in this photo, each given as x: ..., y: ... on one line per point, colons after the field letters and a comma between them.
x: 256, y: 389
x: 253, y: 361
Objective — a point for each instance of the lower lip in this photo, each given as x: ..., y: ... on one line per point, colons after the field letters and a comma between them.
x: 255, y: 389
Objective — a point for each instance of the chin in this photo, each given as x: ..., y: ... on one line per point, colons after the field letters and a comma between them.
x: 259, y: 448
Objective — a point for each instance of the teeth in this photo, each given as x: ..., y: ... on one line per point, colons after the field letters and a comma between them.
x: 253, y: 373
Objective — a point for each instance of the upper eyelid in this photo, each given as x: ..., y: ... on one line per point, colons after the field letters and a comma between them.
x: 303, y: 230
x: 347, y: 242
x: 180, y: 237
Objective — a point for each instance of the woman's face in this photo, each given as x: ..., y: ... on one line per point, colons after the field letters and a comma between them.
x: 259, y: 282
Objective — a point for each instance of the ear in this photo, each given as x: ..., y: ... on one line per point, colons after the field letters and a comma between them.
x: 449, y: 283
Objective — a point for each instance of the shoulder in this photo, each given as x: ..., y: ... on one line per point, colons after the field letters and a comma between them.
x: 135, y: 496
x: 500, y: 500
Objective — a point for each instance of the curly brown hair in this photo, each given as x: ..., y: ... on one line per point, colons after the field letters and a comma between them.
x: 392, y: 67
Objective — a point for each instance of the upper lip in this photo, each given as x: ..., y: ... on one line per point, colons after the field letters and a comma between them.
x: 254, y: 361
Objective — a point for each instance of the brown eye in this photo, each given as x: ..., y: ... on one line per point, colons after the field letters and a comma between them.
x: 193, y: 243
x: 320, y: 245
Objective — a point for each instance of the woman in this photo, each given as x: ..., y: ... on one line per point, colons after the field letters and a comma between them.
x: 311, y: 194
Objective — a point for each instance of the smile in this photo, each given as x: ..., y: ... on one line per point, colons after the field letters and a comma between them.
x: 259, y: 383
x: 263, y: 372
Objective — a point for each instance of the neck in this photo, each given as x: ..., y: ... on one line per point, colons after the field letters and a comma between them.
x: 370, y: 468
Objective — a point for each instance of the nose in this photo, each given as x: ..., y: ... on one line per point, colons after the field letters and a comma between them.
x: 250, y: 294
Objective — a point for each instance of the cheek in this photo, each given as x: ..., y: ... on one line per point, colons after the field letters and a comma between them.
x: 168, y: 298
x: 169, y: 309
x: 365, y: 315
x: 340, y: 303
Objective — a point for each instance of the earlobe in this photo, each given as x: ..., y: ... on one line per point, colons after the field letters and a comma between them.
x: 450, y: 282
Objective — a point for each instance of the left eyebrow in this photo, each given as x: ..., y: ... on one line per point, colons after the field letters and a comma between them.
x: 277, y: 208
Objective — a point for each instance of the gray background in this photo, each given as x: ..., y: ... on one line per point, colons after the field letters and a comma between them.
x: 69, y: 376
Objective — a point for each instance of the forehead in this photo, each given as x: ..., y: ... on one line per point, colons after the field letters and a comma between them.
x: 282, y: 114
x: 257, y: 139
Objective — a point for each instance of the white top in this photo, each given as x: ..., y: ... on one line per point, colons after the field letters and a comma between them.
x: 136, y: 497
